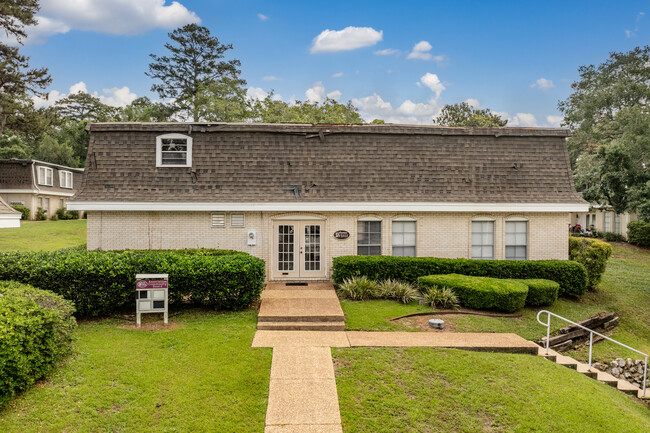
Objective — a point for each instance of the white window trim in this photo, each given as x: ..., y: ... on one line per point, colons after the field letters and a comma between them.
x: 159, y: 140
x: 62, y: 175
x: 404, y: 219
x: 46, y: 170
x: 370, y: 218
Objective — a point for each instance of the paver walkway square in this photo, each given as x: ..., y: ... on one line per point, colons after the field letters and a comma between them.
x: 300, y: 338
x: 302, y: 363
x: 303, y: 402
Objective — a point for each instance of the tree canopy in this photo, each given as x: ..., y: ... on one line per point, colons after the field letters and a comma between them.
x: 269, y: 110
x: 610, y: 146
x: 464, y: 114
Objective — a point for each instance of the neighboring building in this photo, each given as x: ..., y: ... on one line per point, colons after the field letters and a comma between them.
x: 299, y: 195
x: 35, y: 184
x: 603, y: 219
x: 8, y: 216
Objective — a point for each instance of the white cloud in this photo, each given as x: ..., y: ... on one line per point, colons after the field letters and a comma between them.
x: 316, y: 93
x: 421, y: 51
x: 374, y: 107
x: 116, y: 17
x: 386, y: 52
x: 554, y: 121
x: 350, y: 38
x: 337, y: 75
x: 473, y: 102
x: 335, y: 95
x: 432, y: 82
x: 522, y: 119
x: 543, y: 84
x: 262, y: 17
x: 256, y: 93
x: 117, y: 97
x: 271, y: 78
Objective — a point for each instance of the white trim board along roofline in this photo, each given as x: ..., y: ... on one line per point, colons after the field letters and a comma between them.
x: 328, y: 207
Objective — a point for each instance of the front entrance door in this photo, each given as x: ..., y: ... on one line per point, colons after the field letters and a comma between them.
x: 298, y: 250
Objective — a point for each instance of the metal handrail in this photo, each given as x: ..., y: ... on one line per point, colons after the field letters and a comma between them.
x: 591, y: 341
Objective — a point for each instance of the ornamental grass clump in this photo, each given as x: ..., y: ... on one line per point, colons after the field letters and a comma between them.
x: 358, y: 288
x: 397, y: 290
x: 441, y: 297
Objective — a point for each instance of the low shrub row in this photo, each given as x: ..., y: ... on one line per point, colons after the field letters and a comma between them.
x: 638, y: 233
x: 541, y: 292
x: 593, y: 254
x: 570, y: 275
x: 481, y: 293
x: 35, y: 334
x: 100, y: 283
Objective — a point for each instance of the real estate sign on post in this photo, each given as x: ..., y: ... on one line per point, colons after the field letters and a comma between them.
x: 151, y: 295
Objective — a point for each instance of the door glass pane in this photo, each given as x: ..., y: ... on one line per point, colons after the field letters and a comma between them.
x: 285, y: 247
x: 312, y: 247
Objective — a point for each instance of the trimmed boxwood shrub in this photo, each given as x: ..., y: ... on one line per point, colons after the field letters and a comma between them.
x: 35, y: 334
x: 593, y: 254
x: 24, y: 210
x: 541, y: 292
x: 570, y: 275
x: 481, y: 293
x: 100, y: 283
x: 638, y: 233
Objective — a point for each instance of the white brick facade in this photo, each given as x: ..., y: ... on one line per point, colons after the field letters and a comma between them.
x: 438, y: 234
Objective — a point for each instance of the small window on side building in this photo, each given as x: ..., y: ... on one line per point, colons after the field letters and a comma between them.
x: 237, y: 220
x: 483, y: 240
x: 45, y: 175
x: 369, y: 238
x: 516, y: 240
x: 404, y: 238
x: 218, y: 219
x: 65, y: 179
x: 173, y: 150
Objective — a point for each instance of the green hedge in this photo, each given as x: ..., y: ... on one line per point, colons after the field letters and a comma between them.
x: 638, y: 233
x: 570, y: 275
x: 35, y: 333
x: 541, y: 292
x: 24, y: 211
x: 481, y: 293
x: 100, y: 283
x: 593, y: 254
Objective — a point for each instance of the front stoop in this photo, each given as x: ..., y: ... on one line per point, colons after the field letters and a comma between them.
x: 594, y: 373
x: 314, y: 307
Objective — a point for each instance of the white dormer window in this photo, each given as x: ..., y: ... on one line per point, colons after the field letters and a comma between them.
x: 45, y: 176
x: 65, y: 179
x: 173, y: 150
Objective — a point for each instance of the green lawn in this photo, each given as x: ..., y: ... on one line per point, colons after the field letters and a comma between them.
x: 43, y: 235
x: 446, y: 390
x: 625, y: 289
x: 201, y: 376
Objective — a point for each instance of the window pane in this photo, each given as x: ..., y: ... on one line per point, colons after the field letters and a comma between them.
x: 369, y: 237
x: 476, y: 252
x: 398, y: 239
x: 409, y: 239
x: 520, y: 239
x: 510, y: 238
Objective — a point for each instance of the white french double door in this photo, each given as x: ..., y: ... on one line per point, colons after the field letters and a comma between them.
x: 298, y: 249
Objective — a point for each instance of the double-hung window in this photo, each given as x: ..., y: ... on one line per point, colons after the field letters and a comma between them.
x: 608, y: 221
x: 516, y: 240
x: 173, y: 150
x: 369, y: 238
x: 404, y: 238
x: 483, y: 240
x: 65, y: 179
x: 45, y: 175
x: 617, y: 223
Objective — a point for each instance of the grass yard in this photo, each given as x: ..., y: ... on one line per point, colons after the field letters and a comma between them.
x: 625, y: 289
x: 201, y: 376
x: 445, y: 390
x: 43, y: 235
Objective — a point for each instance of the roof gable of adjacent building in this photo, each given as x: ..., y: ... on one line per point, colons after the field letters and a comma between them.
x: 315, y: 166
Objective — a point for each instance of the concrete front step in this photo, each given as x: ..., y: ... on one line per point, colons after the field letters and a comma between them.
x: 302, y: 326
x: 300, y: 310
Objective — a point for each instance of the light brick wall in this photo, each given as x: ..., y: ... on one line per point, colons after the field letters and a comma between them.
x: 438, y: 234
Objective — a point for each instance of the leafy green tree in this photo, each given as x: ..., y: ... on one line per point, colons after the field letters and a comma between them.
x: 194, y: 62
x: 330, y: 111
x: 14, y: 147
x: 56, y: 151
x: 610, y: 118
x: 464, y: 114
x: 81, y: 106
x: 17, y: 80
x: 144, y: 110
x: 223, y: 101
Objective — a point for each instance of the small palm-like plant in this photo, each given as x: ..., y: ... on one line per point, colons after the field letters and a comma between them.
x: 358, y: 288
x: 442, y: 297
x: 398, y: 290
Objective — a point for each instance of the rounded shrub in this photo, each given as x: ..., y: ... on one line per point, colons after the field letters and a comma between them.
x: 24, y: 210
x: 638, y: 233
x: 592, y: 254
x: 35, y: 334
x: 541, y: 292
x: 481, y: 293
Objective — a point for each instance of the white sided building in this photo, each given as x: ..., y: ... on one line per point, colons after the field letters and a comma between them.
x: 299, y: 195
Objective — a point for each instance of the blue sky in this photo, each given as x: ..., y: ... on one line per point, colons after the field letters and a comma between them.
x: 516, y: 57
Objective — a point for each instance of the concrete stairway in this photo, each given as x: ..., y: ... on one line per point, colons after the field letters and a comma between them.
x: 314, y: 307
x: 601, y: 376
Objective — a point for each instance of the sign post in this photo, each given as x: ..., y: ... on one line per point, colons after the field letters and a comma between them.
x: 151, y: 295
